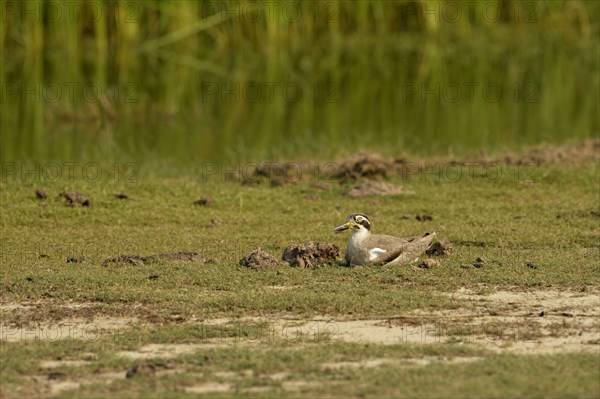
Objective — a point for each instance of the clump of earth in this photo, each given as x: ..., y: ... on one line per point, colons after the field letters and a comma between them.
x: 440, y: 248
x: 307, y: 255
x: 364, y: 165
x: 142, y: 260
x: 311, y: 255
x: 259, y: 259
x: 76, y: 198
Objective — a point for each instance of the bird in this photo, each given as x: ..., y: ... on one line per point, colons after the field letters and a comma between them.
x: 365, y: 248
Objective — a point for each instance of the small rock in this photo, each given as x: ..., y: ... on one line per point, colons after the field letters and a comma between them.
x: 531, y: 266
x: 141, y: 369
x: 429, y: 263
x: 478, y: 264
x: 122, y: 196
x: 424, y: 218
x: 41, y: 193
x: 439, y: 248
x: 542, y: 314
x: 467, y: 266
x: 75, y: 259
x: 153, y: 276
x: 204, y: 201
x: 480, y: 260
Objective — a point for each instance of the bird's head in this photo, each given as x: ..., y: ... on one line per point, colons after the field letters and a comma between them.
x: 356, y: 221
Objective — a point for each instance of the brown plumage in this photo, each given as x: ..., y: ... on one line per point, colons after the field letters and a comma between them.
x: 378, y: 249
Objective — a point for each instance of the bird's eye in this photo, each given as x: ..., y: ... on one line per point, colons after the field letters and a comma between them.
x: 359, y: 219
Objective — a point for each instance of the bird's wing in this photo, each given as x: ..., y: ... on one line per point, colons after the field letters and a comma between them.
x: 384, y: 242
x: 406, y: 251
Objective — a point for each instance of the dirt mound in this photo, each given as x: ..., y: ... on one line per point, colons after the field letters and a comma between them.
x: 373, y: 187
x: 138, y: 260
x: 311, y: 255
x: 258, y: 259
x: 278, y: 173
x: 439, y: 248
x: 41, y: 193
x: 204, y: 201
x: 75, y: 198
x: 365, y: 165
x: 585, y: 151
x: 373, y: 166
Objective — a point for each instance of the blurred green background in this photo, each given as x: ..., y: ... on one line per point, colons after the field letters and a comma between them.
x: 189, y: 81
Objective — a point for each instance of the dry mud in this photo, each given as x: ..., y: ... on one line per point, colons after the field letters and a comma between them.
x: 510, y: 321
x: 542, y: 321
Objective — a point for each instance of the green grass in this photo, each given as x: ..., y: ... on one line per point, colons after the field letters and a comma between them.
x: 494, y: 376
x: 551, y: 223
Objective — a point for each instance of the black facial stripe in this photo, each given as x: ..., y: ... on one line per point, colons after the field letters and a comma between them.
x: 365, y: 223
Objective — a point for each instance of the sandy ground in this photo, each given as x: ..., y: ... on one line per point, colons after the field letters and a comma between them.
x: 512, y: 321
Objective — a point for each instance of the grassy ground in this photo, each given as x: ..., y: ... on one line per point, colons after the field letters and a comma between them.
x: 537, y: 228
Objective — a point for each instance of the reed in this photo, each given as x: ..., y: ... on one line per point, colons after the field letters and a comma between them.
x: 242, y: 79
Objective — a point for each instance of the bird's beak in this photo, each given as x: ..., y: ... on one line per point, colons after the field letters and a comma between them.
x: 349, y: 224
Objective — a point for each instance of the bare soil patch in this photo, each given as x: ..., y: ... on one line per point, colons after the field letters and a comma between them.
x: 533, y: 321
x: 165, y: 351
x: 524, y: 322
x: 208, y: 387
x: 39, y: 315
